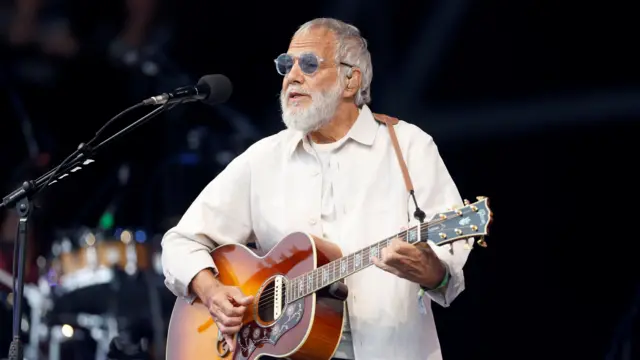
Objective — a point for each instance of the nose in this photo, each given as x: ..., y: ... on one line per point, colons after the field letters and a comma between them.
x: 295, y: 76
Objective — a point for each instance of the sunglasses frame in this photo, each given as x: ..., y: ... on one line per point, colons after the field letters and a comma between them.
x: 296, y: 58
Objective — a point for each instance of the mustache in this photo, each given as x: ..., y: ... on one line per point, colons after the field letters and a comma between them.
x: 297, y: 91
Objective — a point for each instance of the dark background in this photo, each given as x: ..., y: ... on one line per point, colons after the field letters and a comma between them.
x: 534, y: 104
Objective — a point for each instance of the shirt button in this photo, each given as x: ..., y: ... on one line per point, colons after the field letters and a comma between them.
x: 312, y: 221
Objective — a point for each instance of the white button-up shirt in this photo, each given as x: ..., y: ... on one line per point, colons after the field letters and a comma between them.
x: 274, y: 188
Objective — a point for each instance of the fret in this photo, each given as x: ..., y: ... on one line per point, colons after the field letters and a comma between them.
x: 325, y: 276
x: 412, y: 235
x: 341, y: 268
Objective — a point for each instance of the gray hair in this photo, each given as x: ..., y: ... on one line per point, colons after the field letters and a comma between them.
x: 351, y: 48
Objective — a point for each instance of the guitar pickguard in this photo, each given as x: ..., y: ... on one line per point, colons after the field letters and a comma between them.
x: 252, y: 335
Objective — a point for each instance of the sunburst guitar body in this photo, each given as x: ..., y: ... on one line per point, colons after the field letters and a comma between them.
x: 299, y: 307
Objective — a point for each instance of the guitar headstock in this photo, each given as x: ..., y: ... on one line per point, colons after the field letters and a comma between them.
x: 471, y: 220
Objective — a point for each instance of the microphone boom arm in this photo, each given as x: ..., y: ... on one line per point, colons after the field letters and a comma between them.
x: 77, y: 163
x: 21, y: 199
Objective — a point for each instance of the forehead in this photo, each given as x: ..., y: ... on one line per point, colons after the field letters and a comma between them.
x: 318, y: 40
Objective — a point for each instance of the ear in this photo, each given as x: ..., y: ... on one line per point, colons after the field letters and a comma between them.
x: 354, y: 78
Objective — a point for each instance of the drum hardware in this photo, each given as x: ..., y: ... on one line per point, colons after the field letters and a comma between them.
x: 77, y: 266
x: 101, y: 328
x: 95, y: 259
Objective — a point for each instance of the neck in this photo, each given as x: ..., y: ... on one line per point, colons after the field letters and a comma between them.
x: 346, y: 115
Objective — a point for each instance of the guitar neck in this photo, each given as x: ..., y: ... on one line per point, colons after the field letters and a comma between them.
x: 470, y: 221
x: 345, y: 266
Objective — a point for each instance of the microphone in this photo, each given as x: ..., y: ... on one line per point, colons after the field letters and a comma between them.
x: 211, y: 89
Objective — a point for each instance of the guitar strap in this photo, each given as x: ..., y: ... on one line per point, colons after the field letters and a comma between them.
x: 390, y: 122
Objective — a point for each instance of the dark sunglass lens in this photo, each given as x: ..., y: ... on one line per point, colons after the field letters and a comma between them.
x: 284, y: 63
x: 308, y: 63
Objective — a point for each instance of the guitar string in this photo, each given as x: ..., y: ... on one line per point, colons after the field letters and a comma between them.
x: 267, y: 297
x: 269, y: 293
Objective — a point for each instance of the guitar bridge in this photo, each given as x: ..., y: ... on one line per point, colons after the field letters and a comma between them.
x: 277, y: 297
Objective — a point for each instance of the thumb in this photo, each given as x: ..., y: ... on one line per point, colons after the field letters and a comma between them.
x: 243, y: 300
x: 229, y: 340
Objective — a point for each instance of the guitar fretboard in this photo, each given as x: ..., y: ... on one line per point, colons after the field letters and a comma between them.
x: 339, y: 269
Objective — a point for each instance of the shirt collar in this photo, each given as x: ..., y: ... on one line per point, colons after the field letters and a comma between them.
x: 364, y: 130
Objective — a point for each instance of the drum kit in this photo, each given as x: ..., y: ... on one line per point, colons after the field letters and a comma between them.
x: 92, y: 286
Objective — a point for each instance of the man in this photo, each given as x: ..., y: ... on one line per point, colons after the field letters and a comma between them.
x: 333, y: 173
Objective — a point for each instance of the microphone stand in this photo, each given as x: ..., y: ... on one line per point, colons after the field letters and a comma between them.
x: 22, y: 198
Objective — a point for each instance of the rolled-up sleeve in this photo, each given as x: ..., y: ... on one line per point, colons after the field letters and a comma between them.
x: 436, y: 191
x: 221, y: 214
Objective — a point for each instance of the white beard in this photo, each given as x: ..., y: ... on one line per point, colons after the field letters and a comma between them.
x: 316, y: 115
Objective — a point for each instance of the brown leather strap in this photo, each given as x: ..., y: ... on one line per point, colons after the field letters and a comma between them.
x: 390, y: 122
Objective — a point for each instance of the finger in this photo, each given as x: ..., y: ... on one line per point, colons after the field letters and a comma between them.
x: 229, y: 330
x: 396, y: 242
x: 407, y: 250
x: 377, y: 262
x: 227, y: 308
x: 398, y: 245
x: 385, y: 267
x: 239, y: 298
x: 229, y: 340
x: 217, y: 312
x: 388, y: 256
x: 242, y: 300
x: 229, y: 321
x: 402, y: 248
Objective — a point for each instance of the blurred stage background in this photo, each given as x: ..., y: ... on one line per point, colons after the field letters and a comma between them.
x: 535, y: 104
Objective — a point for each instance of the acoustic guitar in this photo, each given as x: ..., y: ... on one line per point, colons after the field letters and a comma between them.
x: 299, y: 304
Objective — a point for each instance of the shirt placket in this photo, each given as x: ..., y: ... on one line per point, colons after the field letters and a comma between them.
x: 314, y: 178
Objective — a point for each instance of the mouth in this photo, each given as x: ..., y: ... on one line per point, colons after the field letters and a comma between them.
x: 296, y: 95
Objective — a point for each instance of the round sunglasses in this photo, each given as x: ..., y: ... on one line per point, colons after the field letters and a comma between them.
x: 308, y: 62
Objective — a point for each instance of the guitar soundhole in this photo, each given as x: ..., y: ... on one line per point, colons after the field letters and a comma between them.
x: 271, y: 300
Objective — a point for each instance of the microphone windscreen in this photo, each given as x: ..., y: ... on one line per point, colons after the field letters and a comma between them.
x: 220, y: 88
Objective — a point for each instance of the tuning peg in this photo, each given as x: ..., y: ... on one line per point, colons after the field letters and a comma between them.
x: 466, y: 246
x: 482, y: 243
x: 480, y: 198
x: 467, y: 202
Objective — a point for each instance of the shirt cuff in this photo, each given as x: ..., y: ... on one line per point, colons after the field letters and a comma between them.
x: 180, y: 277
x: 445, y: 295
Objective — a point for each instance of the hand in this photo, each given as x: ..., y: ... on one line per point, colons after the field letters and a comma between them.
x: 226, y: 304
x: 419, y: 265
